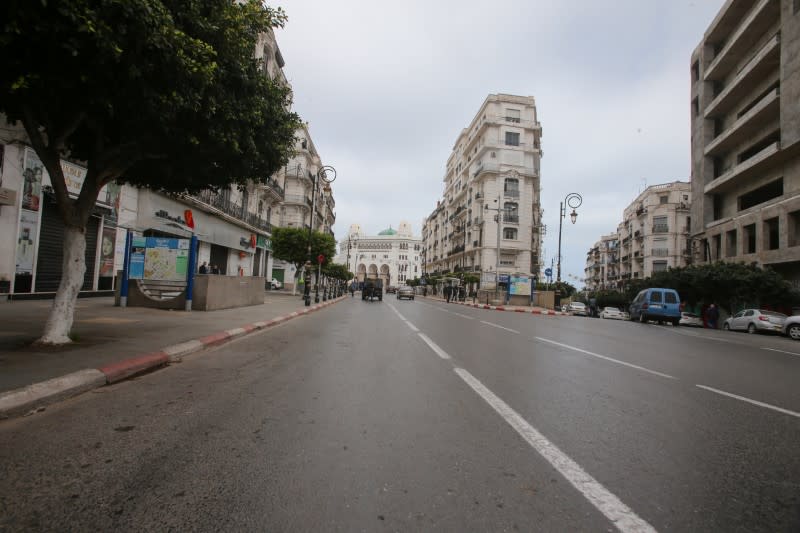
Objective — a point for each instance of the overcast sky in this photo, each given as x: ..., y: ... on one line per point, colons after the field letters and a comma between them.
x: 386, y: 88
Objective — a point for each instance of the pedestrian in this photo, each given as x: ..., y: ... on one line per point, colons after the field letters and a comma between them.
x: 352, y: 290
x: 203, y: 268
x: 712, y: 315
x: 448, y: 292
x: 214, y: 269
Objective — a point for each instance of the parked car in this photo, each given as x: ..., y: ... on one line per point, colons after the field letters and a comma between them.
x: 690, y: 319
x: 611, y: 312
x: 756, y: 320
x: 578, y: 309
x: 405, y: 292
x: 275, y: 284
x: 391, y: 289
x: 791, y: 327
x: 659, y: 304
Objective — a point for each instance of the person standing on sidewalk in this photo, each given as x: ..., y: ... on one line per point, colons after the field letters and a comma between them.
x: 712, y: 315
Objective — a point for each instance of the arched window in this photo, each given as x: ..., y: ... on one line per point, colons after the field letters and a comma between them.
x: 510, y: 233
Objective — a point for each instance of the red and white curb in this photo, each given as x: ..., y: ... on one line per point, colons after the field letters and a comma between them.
x: 29, y: 399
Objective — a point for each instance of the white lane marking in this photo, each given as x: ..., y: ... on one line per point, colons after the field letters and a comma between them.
x: 606, y: 502
x: 499, y: 326
x: 412, y: 326
x: 404, y: 319
x: 611, y: 359
x: 697, y: 336
x: 754, y: 402
x: 435, y: 347
x: 462, y: 316
x: 781, y: 351
x: 396, y: 312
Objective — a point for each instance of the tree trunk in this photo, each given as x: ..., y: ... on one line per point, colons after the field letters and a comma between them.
x: 59, y: 323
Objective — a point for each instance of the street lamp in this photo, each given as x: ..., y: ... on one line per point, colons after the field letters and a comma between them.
x: 352, y: 240
x: 497, y: 259
x: 326, y: 174
x: 573, y: 200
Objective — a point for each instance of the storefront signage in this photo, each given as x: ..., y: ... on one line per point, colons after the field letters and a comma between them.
x: 154, y: 258
x: 263, y: 242
x: 162, y: 213
x: 74, y: 175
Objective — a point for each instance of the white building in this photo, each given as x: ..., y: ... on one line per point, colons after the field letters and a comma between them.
x: 392, y: 255
x: 493, y: 170
x: 602, y: 263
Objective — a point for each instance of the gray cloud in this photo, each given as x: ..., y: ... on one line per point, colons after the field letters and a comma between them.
x: 387, y: 88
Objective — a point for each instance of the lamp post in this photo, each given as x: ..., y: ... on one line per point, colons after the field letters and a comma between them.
x: 497, y: 258
x: 574, y: 201
x: 351, y: 243
x: 326, y: 174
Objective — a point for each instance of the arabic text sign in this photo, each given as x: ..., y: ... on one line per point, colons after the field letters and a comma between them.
x: 520, y: 286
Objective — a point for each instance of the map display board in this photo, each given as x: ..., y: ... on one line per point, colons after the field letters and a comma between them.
x: 154, y: 258
x: 520, y: 286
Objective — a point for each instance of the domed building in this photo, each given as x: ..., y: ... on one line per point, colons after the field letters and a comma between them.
x: 392, y: 255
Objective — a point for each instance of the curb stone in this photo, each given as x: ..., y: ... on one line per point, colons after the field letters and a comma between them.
x: 29, y: 399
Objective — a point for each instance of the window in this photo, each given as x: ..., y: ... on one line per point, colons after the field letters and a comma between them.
x: 663, y: 199
x: 762, y: 194
x: 695, y: 107
x: 660, y: 225
x: 655, y: 296
x: 794, y: 228
x: 512, y: 138
x: 730, y: 243
x: 669, y: 297
x: 717, y: 245
x: 695, y: 71
x: 510, y: 212
x: 749, y: 243
x: 771, y: 234
x: 511, y: 187
x: 510, y: 233
x: 512, y: 115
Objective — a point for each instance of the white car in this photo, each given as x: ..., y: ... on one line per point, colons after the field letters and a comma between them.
x: 756, y: 320
x: 612, y: 312
x: 690, y: 319
x: 791, y: 327
x: 578, y: 308
x: 275, y: 284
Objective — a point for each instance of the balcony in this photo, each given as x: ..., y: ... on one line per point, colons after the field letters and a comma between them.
x: 743, y: 39
x: 513, y: 219
x: 271, y: 186
x: 746, y: 169
x: 511, y: 193
x: 298, y: 199
x: 660, y: 228
x: 767, y: 110
x: 222, y: 202
x: 766, y: 61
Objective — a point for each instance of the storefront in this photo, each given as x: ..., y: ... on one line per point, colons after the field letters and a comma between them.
x: 230, y: 248
x: 39, y: 230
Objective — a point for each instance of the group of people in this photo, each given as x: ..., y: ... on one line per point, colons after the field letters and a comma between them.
x: 454, y: 293
x: 208, y: 269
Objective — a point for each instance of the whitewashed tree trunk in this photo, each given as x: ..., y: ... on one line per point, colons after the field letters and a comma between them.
x: 59, y: 323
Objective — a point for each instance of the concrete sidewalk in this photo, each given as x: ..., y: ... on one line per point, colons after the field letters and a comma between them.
x: 115, y: 343
x: 512, y: 308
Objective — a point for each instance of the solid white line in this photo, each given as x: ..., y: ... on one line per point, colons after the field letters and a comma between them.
x: 435, y: 347
x: 499, y: 326
x: 412, y: 326
x: 611, y: 359
x: 396, y: 312
x: 781, y: 351
x: 404, y: 319
x: 754, y: 402
x: 606, y: 502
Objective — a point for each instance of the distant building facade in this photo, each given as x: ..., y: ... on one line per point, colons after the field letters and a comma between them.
x: 602, y: 264
x: 395, y: 256
x: 745, y: 89
x: 493, y: 170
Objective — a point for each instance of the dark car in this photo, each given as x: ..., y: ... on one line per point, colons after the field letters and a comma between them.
x: 391, y: 289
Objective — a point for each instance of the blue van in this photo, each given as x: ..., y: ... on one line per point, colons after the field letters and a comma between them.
x: 661, y: 305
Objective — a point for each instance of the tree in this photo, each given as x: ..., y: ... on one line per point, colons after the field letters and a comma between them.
x: 163, y: 94
x: 337, y: 271
x: 291, y: 245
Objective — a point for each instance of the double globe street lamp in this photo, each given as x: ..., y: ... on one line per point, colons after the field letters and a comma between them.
x: 327, y: 175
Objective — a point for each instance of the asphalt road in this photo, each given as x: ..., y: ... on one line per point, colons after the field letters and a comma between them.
x: 424, y: 416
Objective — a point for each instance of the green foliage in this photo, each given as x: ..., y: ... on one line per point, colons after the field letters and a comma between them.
x: 164, y: 94
x: 413, y: 282
x: 731, y: 285
x: 337, y: 271
x: 291, y: 244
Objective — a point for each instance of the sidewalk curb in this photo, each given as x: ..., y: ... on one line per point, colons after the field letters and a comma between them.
x: 31, y: 398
